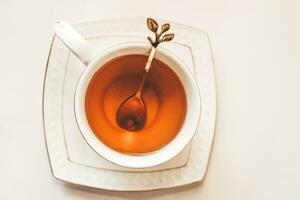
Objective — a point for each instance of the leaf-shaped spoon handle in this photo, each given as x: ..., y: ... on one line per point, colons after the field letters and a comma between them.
x: 159, y: 37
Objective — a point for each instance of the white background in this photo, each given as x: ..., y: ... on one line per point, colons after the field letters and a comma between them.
x: 256, y: 46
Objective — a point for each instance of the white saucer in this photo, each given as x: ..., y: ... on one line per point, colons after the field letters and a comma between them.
x: 71, y: 158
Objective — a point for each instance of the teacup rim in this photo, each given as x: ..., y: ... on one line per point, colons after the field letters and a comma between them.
x: 150, y: 159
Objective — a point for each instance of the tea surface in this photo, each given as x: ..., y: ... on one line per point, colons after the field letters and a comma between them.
x: 163, y: 94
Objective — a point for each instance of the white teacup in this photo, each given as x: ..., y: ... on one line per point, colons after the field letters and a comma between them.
x: 80, y: 47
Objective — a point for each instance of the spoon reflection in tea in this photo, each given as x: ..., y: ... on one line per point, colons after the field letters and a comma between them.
x: 132, y: 112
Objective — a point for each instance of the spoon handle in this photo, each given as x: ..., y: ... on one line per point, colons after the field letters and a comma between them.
x: 150, y: 59
x: 146, y: 69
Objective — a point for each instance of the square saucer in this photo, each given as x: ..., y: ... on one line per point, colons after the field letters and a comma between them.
x: 72, y: 160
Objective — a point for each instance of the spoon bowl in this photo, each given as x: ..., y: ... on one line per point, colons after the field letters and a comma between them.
x: 131, y: 115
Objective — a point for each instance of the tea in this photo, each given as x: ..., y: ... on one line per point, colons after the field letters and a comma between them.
x: 163, y: 94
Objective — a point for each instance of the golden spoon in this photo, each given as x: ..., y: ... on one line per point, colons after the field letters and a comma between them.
x: 131, y: 114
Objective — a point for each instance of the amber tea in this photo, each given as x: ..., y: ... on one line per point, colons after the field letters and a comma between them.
x: 163, y: 94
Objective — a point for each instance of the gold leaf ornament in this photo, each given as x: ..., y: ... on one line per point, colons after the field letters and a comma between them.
x: 150, y: 40
x: 168, y: 37
x: 152, y: 25
x: 165, y: 27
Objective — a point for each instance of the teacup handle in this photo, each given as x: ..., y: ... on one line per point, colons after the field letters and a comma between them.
x: 75, y: 42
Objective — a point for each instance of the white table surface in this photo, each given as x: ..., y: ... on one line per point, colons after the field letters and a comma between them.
x: 256, y: 46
